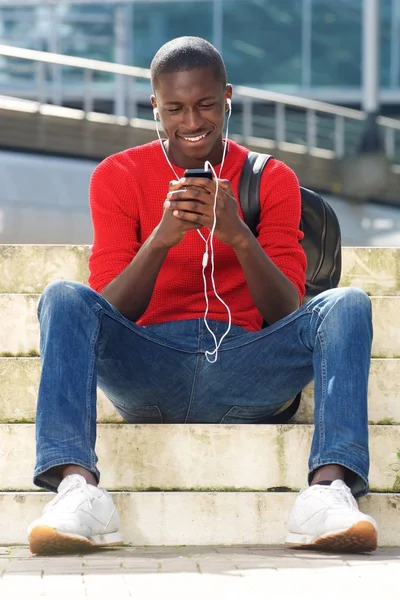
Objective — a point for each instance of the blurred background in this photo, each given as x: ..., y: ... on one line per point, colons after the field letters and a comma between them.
x: 316, y: 84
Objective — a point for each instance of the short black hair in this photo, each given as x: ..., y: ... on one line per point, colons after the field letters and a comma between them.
x: 184, y: 54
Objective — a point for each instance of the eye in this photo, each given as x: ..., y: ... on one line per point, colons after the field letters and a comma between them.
x: 206, y: 106
x: 173, y: 110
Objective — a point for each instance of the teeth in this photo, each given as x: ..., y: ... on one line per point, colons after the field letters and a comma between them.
x: 195, y: 139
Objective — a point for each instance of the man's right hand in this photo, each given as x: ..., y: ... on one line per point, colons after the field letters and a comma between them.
x: 170, y: 231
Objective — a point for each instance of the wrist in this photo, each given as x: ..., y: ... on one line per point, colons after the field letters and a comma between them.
x: 243, y: 240
x: 157, y: 243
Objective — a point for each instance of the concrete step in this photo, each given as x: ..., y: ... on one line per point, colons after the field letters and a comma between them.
x: 19, y: 382
x: 196, y: 519
x: 29, y: 268
x: 19, y: 332
x: 200, y: 457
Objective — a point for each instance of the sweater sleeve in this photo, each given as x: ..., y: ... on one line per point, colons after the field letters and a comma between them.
x: 115, y: 222
x: 278, y: 229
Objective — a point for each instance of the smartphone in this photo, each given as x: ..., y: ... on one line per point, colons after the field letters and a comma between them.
x: 198, y: 173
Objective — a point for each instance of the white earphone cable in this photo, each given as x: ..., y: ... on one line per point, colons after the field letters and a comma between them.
x: 208, y: 240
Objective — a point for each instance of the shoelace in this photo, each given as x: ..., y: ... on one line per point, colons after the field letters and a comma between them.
x: 340, y: 496
x: 75, y: 486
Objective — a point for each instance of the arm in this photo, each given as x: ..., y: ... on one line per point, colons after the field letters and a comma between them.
x: 141, y: 276
x: 274, y: 263
x: 123, y: 269
x: 273, y: 293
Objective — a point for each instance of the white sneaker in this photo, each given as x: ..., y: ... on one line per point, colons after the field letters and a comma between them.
x: 79, y: 518
x: 327, y: 517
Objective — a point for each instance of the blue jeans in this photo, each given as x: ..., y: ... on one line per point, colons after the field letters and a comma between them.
x: 159, y: 374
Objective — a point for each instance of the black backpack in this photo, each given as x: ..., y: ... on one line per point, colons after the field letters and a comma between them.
x: 321, y: 241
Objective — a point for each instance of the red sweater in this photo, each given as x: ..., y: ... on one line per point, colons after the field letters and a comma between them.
x: 127, y: 192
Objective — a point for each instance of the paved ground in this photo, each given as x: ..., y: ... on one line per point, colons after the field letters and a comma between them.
x: 191, y: 573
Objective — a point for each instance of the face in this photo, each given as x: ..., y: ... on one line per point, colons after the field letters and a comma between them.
x: 192, y: 106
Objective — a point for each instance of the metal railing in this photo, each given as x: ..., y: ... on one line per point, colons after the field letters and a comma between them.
x: 286, y: 120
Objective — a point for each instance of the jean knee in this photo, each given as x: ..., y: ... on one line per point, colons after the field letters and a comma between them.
x: 57, y: 294
x: 355, y: 298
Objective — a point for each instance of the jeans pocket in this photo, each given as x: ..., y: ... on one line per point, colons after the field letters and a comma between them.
x: 141, y: 414
x: 247, y: 415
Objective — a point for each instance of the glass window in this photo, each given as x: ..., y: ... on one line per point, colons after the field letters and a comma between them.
x: 20, y: 27
x: 395, y: 42
x: 87, y: 31
x: 262, y: 42
x: 336, y: 43
x: 157, y: 22
x: 385, y: 41
x: 261, y: 39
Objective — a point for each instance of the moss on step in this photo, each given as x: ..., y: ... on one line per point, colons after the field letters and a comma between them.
x: 384, y: 355
x: 384, y: 422
x: 31, y: 353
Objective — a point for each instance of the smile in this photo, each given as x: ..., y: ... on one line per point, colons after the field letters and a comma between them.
x: 198, y: 138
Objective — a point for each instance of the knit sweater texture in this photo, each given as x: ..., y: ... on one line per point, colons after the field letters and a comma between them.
x: 127, y: 193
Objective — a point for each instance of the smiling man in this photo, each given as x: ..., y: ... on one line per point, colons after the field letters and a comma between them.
x: 138, y: 331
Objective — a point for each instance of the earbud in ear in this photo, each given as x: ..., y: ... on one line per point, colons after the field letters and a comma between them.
x: 229, y: 103
x: 155, y: 113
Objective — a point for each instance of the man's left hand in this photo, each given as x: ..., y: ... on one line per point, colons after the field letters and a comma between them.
x: 192, y: 199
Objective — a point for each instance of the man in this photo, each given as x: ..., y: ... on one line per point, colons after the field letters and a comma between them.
x: 138, y: 330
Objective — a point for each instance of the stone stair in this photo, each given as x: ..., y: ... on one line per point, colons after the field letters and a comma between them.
x: 191, y: 484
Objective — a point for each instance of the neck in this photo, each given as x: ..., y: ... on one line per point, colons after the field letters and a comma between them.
x: 189, y: 162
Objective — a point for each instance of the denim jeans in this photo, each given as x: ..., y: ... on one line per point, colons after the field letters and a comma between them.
x: 159, y: 374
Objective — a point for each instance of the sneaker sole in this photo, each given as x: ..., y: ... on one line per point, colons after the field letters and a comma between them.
x: 361, y: 537
x: 46, y: 540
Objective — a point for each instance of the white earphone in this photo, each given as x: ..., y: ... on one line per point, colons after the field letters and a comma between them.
x: 211, y: 356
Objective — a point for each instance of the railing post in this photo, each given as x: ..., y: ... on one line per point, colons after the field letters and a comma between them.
x: 390, y: 142
x: 339, y: 136
x: 55, y: 70
x: 120, y: 57
x: 247, y: 118
x: 132, y: 99
x: 41, y: 82
x: 280, y: 123
x: 311, y: 129
x: 87, y: 91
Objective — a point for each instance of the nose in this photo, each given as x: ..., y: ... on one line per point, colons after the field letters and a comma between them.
x: 192, y: 121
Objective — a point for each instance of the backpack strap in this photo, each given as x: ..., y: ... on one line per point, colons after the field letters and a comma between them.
x: 249, y: 188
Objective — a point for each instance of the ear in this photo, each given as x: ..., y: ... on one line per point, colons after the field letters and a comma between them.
x: 228, y: 96
x: 154, y: 105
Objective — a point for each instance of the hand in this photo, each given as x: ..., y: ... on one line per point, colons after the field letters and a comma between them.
x: 170, y: 231
x: 191, y: 201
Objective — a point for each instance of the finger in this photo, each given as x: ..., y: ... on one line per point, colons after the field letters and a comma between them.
x: 202, y: 182
x: 176, y: 185
x: 187, y: 206
x: 188, y: 194
x: 187, y: 226
x: 225, y: 186
x: 189, y: 217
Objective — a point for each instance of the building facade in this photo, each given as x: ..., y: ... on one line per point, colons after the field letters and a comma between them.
x: 307, y: 47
